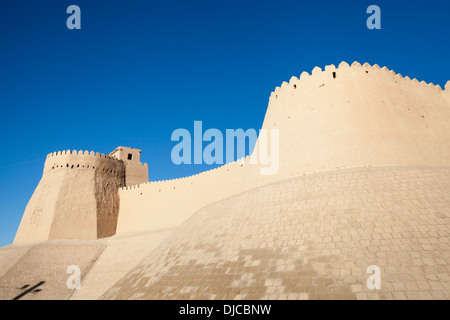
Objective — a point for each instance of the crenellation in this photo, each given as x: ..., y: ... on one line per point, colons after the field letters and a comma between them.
x: 343, y: 65
x: 320, y: 78
x: 304, y: 75
x: 316, y: 70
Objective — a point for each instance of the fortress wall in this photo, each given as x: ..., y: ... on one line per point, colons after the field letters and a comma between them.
x: 136, y: 173
x: 165, y: 204
x: 350, y: 116
x: 77, y: 198
x: 364, y: 116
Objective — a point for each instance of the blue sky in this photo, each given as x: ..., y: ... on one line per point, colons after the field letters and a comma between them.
x: 137, y: 70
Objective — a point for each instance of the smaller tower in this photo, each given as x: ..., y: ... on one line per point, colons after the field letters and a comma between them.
x: 135, y: 171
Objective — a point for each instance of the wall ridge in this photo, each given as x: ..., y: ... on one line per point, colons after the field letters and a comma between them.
x: 241, y: 162
x: 333, y: 72
x: 83, y: 153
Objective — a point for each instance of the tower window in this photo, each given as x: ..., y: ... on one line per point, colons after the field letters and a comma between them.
x: 334, y: 75
x: 130, y: 156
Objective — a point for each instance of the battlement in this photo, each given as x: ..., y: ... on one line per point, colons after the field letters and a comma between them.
x: 83, y: 160
x: 240, y: 163
x: 82, y: 153
x: 332, y: 73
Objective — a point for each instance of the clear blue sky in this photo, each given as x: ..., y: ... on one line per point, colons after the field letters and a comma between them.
x: 140, y: 69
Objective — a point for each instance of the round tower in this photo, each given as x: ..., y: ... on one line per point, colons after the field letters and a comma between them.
x: 358, y: 116
x: 77, y: 198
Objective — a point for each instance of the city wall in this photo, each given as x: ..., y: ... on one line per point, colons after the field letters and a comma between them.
x: 336, y: 118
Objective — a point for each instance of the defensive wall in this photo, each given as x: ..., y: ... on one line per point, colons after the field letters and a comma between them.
x: 347, y: 117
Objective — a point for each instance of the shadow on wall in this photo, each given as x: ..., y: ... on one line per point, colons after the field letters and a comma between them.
x: 34, y: 289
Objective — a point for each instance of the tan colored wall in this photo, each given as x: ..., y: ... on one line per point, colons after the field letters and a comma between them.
x: 165, y: 204
x: 365, y: 116
x: 77, y: 198
x: 136, y: 173
x: 310, y: 237
x: 446, y: 92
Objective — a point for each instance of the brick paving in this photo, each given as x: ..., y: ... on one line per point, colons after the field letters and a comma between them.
x: 310, y: 237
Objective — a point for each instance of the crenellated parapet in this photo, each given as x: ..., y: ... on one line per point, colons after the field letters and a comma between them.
x: 355, y: 71
x: 228, y: 167
x: 76, y: 160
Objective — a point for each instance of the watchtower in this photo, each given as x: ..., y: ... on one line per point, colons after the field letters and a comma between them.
x: 135, y: 171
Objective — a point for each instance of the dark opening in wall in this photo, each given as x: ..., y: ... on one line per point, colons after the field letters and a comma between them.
x: 334, y: 75
x: 295, y: 86
x: 130, y: 156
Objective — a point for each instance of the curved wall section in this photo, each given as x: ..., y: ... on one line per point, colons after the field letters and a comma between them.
x: 358, y: 116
